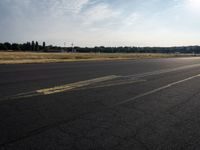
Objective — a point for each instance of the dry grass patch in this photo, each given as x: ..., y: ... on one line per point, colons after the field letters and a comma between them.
x: 31, y: 57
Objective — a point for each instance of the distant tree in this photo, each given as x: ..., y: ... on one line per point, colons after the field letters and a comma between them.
x: 16, y: 47
x: 44, y: 47
x: 36, y: 46
x: 198, y: 49
x: 23, y: 47
x: 33, y: 46
x: 28, y: 46
x: 8, y: 45
x: 3, y: 47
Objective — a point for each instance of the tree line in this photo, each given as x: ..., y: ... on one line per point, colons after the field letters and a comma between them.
x: 29, y: 46
x: 36, y: 47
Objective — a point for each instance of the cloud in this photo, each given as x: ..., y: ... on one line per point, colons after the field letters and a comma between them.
x: 131, y: 19
x: 90, y: 22
x: 40, y: 8
x: 99, y: 13
x: 193, y: 5
x: 67, y: 6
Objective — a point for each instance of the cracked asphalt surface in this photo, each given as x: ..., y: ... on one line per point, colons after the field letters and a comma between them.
x: 104, y: 116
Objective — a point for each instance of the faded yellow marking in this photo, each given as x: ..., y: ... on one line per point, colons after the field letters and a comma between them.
x: 22, y: 95
x: 63, y: 88
x: 113, y: 84
x: 87, y: 84
x: 75, y: 85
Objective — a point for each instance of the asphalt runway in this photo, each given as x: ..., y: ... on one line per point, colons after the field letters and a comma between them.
x: 151, y: 104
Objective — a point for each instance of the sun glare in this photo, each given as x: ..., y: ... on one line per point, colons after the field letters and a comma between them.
x: 194, y: 5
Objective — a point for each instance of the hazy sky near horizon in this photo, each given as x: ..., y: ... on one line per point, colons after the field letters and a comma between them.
x: 101, y: 22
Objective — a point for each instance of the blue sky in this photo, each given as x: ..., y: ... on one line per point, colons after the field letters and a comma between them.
x: 101, y: 22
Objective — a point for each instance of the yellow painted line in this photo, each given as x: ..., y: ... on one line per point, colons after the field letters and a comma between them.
x: 63, y: 88
x: 21, y: 95
x: 75, y: 85
x: 114, y: 84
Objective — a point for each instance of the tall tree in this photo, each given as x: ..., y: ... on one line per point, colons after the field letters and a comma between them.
x: 36, y: 46
x: 33, y: 46
x: 28, y: 44
x: 44, y: 46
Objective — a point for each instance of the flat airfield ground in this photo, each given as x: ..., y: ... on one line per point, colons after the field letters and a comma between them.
x: 40, y: 57
x: 129, y: 104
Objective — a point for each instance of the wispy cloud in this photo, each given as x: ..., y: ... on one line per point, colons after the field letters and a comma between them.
x: 66, y: 6
x: 98, y: 13
x: 132, y: 18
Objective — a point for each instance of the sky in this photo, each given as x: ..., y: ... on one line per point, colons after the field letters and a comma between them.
x: 101, y: 22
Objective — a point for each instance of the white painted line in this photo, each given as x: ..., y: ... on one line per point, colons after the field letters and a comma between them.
x: 157, y: 72
x: 157, y: 90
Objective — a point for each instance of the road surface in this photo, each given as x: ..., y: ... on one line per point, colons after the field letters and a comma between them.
x: 151, y: 104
